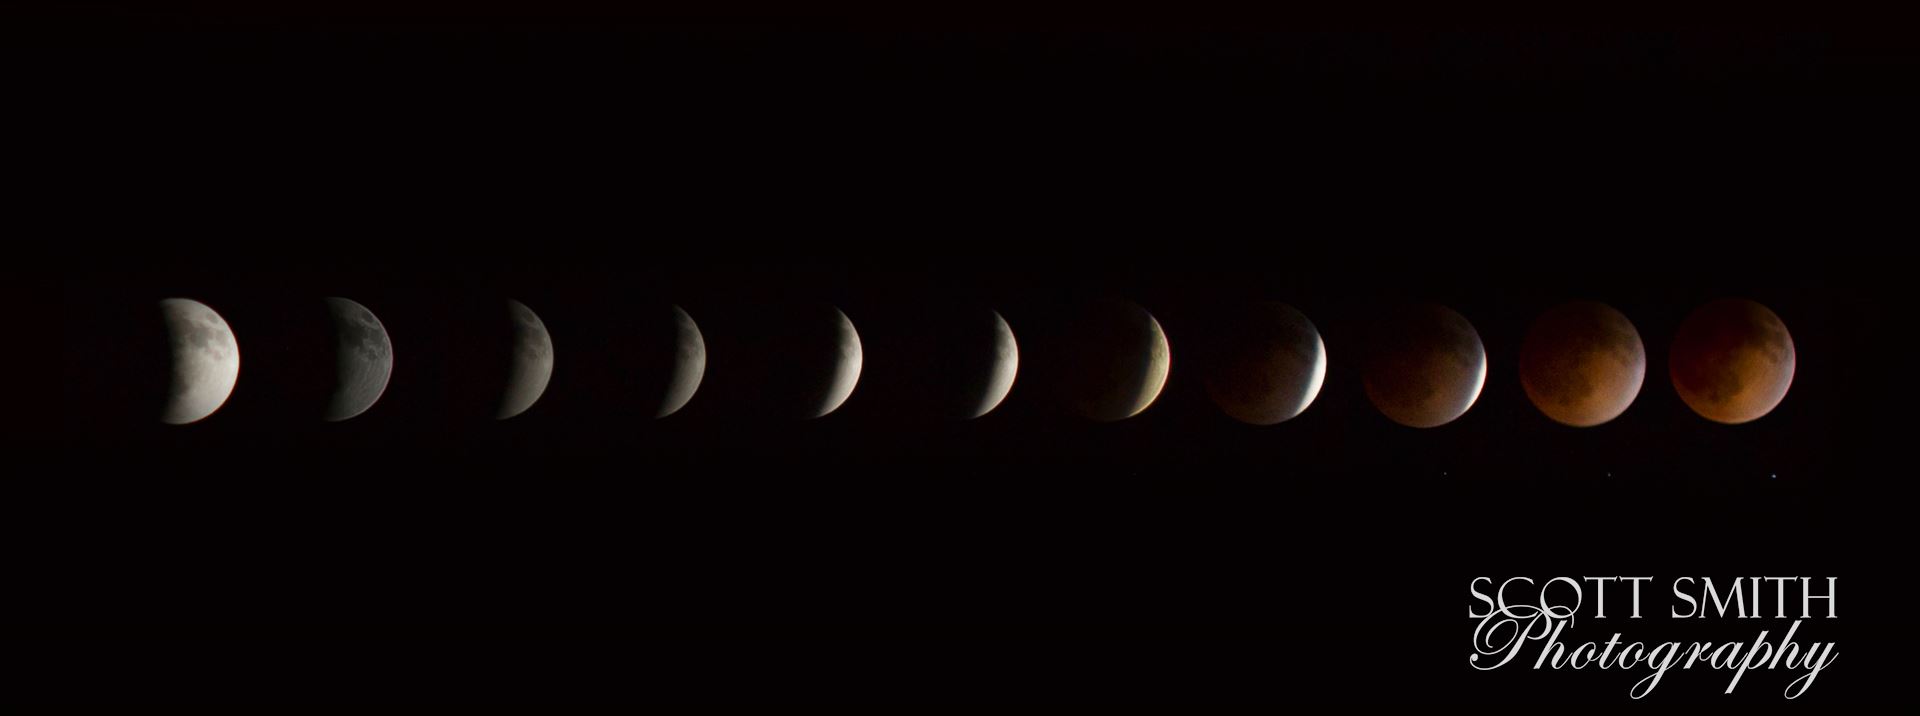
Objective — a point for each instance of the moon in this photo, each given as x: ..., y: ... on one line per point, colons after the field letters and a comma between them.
x: 1002, y: 366
x: 205, y: 360
x: 363, y: 359
x: 1426, y: 367
x: 1119, y: 362
x: 843, y: 371
x: 966, y: 361
x: 1732, y: 361
x: 1270, y: 367
x: 689, y: 364
x: 797, y: 360
x: 1582, y: 363
x: 953, y: 359
x: 532, y: 361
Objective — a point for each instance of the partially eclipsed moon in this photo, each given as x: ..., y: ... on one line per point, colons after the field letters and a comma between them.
x: 1270, y: 367
x: 846, y: 369
x: 532, y: 362
x: 1006, y: 364
x: 689, y: 364
x: 1732, y: 361
x: 956, y: 360
x: 1582, y: 363
x: 1120, y: 362
x: 205, y: 360
x: 363, y: 359
x: 1427, y: 366
x: 804, y: 365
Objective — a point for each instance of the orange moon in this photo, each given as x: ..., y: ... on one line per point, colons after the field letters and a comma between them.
x: 1732, y: 361
x: 1426, y: 367
x: 1582, y: 363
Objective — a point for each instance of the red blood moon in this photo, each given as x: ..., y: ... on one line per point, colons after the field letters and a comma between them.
x: 1732, y: 361
x: 1426, y: 366
x: 1582, y: 363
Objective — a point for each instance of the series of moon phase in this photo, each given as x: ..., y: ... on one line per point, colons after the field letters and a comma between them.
x: 1581, y: 364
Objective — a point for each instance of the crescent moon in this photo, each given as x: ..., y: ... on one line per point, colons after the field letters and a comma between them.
x: 205, y: 357
x: 689, y: 364
x: 1122, y: 364
x: 532, y: 363
x: 1006, y: 364
x: 363, y: 359
x: 846, y: 370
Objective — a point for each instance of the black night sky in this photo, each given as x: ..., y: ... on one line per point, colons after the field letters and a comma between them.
x: 600, y: 171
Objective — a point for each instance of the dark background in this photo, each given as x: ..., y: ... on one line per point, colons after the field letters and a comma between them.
x: 597, y: 170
